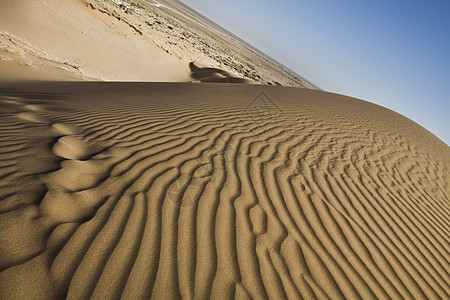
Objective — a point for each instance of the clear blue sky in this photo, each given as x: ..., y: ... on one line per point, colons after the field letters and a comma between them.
x: 393, y: 53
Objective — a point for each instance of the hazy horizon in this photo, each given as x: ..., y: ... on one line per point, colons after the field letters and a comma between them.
x: 392, y: 54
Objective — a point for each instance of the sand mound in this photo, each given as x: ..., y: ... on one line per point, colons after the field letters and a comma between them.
x: 164, y: 191
x: 213, y: 75
x: 73, y: 148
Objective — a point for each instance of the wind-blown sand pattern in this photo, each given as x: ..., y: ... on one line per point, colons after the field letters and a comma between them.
x: 151, y: 190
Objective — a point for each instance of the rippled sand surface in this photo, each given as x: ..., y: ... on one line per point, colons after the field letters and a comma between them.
x: 151, y: 190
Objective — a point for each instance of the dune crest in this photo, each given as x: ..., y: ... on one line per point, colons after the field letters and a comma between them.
x: 139, y: 190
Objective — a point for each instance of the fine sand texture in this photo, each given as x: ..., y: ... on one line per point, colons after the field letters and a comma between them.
x: 217, y: 191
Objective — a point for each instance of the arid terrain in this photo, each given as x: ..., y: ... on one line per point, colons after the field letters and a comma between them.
x: 123, y: 40
x: 140, y: 190
x: 205, y: 180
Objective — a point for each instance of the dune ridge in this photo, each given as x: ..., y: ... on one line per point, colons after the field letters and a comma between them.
x: 139, y: 190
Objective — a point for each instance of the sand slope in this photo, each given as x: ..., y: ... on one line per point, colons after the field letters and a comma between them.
x: 70, y: 39
x: 164, y: 191
x: 124, y: 40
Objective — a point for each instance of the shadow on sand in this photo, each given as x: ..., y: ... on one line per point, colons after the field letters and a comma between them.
x: 213, y: 75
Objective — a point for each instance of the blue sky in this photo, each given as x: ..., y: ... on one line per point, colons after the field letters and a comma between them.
x: 393, y: 53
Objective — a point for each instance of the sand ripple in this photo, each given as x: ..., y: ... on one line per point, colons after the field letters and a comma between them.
x: 162, y: 191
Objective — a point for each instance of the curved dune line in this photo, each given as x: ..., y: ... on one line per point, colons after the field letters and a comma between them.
x: 153, y: 195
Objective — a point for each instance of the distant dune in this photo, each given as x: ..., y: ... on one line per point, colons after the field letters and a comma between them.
x: 178, y: 190
x: 124, y: 40
x: 213, y: 75
x: 69, y: 40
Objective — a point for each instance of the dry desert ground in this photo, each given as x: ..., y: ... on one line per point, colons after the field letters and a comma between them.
x: 206, y: 179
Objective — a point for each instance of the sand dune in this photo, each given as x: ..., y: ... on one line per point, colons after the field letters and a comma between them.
x: 197, y: 191
x: 114, y: 40
x: 151, y: 190
x: 72, y: 40
x: 206, y: 74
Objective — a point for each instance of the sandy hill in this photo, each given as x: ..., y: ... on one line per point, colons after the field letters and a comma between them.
x: 196, y: 191
x: 205, y: 190
x: 123, y: 40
